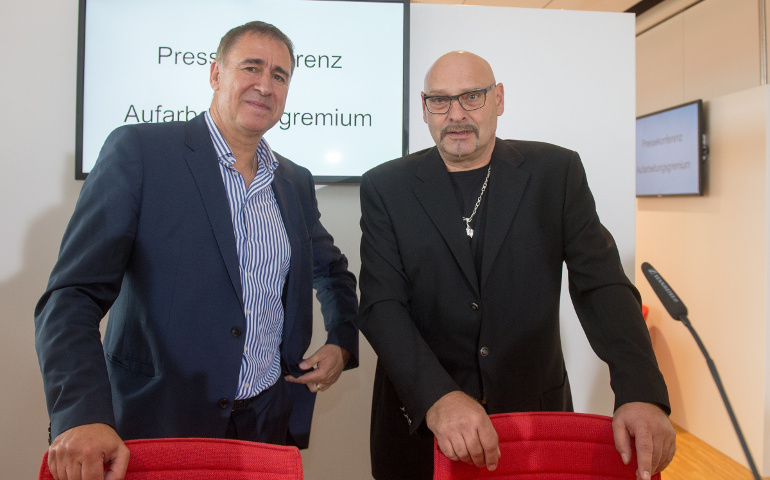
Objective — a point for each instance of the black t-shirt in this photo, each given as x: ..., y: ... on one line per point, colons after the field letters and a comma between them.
x: 467, y: 185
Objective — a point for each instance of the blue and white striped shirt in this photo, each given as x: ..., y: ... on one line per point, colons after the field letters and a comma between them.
x: 263, y: 252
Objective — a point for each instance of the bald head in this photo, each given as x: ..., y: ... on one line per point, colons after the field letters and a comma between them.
x: 464, y: 132
x: 460, y: 68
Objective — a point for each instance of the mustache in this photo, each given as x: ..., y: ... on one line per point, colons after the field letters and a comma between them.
x: 458, y: 128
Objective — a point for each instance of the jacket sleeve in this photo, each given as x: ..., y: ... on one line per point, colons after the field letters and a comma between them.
x: 335, y: 287
x: 606, y: 302
x: 419, y: 378
x: 84, y: 283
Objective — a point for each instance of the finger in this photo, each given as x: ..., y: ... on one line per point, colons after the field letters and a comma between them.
x: 58, y: 470
x: 329, y: 364
x: 314, y: 387
x: 622, y: 441
x: 490, y: 444
x: 656, y: 454
x: 644, y: 455
x: 73, y: 470
x: 119, y: 465
x: 93, y: 469
x: 53, y: 465
x: 670, y: 451
x: 313, y: 376
x: 325, y: 374
x: 317, y: 359
x: 446, y: 448
x: 493, y: 465
x: 461, y: 450
x: 666, y: 456
x: 305, y: 379
x: 310, y: 362
x: 662, y: 466
x: 67, y: 471
x: 476, y: 451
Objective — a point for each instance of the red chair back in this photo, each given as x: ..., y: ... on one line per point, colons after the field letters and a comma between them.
x: 547, y: 446
x: 206, y: 459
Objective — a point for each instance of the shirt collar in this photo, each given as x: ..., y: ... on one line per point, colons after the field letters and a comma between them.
x: 225, y: 155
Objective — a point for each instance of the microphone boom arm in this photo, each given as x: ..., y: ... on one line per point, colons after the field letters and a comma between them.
x: 723, y: 393
x: 678, y: 311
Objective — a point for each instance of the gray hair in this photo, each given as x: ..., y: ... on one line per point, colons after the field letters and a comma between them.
x: 257, y: 28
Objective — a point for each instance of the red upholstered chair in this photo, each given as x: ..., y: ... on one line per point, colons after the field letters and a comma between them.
x: 206, y: 459
x: 547, y: 446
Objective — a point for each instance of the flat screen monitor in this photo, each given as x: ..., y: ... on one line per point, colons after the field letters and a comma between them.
x: 143, y: 61
x: 671, y: 151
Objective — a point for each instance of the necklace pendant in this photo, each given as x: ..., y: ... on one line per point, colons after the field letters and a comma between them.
x: 469, y: 231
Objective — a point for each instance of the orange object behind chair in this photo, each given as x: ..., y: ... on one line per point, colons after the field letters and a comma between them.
x: 547, y: 446
x: 206, y: 459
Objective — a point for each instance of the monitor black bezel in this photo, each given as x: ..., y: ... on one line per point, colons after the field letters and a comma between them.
x: 702, y: 151
x: 319, y: 179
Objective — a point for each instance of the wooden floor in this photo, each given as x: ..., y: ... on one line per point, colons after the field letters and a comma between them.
x: 696, y: 460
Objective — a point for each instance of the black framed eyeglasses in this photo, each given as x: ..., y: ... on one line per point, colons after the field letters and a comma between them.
x: 470, y: 100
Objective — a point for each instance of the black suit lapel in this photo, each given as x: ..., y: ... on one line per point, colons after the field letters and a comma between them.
x: 202, y: 161
x: 507, y: 183
x: 435, y: 193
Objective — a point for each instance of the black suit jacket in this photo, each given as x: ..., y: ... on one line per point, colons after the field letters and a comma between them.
x: 151, y: 240
x: 436, y: 328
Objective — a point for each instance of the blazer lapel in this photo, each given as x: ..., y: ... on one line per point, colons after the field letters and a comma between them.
x: 435, y: 193
x: 288, y: 202
x: 507, y: 183
x: 202, y: 162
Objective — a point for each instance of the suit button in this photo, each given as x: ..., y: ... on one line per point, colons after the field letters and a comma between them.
x: 236, y: 331
x: 474, y: 306
x: 223, y: 403
x: 484, y: 351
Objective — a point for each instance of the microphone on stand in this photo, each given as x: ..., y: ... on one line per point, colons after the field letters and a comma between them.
x: 678, y: 311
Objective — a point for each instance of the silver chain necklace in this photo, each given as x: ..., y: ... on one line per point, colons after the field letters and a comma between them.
x: 468, y: 220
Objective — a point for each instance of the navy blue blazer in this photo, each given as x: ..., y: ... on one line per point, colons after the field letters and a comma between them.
x: 151, y: 241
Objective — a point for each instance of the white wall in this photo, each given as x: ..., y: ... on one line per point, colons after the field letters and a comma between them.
x: 38, y: 193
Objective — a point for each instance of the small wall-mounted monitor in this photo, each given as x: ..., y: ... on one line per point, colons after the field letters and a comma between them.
x: 148, y: 61
x: 671, y: 151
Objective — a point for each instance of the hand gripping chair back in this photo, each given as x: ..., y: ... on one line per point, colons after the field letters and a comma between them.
x: 206, y: 459
x: 547, y: 446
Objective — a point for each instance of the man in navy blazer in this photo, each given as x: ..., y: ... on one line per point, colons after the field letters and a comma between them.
x: 204, y: 246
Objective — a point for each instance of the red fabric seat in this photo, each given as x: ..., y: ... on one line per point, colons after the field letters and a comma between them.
x: 547, y: 446
x: 206, y: 459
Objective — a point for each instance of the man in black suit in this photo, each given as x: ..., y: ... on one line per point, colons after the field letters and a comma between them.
x: 462, y: 253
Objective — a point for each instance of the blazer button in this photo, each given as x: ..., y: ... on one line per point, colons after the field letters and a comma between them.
x: 484, y: 351
x: 236, y: 331
x: 223, y: 403
x: 474, y: 306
